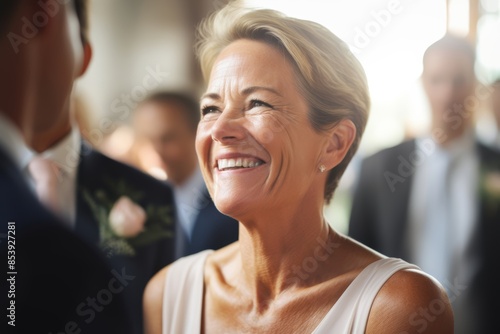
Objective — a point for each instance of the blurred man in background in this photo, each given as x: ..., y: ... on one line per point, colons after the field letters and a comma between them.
x: 426, y: 200
x: 53, y: 276
x: 169, y: 121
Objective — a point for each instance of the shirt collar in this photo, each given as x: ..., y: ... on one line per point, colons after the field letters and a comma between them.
x: 66, y: 153
x: 12, y: 141
x: 463, y: 145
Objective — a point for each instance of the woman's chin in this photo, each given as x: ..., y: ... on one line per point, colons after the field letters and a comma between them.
x: 233, y: 206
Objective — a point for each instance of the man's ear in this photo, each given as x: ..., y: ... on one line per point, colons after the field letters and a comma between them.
x: 340, y: 139
x: 87, y: 57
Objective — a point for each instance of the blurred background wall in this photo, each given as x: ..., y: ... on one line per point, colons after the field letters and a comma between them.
x: 141, y: 46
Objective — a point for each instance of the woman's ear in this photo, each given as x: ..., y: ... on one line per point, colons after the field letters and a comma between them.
x: 87, y: 57
x: 340, y: 139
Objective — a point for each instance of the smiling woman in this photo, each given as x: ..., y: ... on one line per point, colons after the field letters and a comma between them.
x: 259, y: 115
x: 284, y: 110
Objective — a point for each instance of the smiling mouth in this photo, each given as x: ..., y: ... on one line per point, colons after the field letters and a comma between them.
x: 238, y: 163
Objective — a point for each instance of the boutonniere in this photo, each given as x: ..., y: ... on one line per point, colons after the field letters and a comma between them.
x: 490, y: 188
x: 126, y: 218
x: 124, y: 225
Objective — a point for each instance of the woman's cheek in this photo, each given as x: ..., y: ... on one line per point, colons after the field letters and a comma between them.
x: 203, y: 147
x: 202, y: 135
x: 266, y: 128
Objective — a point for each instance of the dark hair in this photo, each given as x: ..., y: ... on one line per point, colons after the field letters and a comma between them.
x: 81, y: 9
x: 453, y: 43
x: 7, y: 7
x: 190, y: 105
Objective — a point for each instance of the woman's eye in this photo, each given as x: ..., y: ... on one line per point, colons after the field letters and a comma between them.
x: 259, y: 103
x: 209, y: 110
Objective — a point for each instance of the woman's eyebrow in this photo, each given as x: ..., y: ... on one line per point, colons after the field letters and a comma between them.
x: 252, y: 89
x: 245, y: 91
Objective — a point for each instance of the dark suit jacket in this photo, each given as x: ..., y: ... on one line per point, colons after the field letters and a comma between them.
x: 105, y: 180
x: 57, y: 272
x: 379, y: 219
x: 212, y: 229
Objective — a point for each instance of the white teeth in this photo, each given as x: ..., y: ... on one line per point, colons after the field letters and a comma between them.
x: 237, y: 163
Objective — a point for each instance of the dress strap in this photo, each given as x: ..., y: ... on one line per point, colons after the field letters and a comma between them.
x: 350, y: 313
x: 374, y: 279
x: 183, y: 295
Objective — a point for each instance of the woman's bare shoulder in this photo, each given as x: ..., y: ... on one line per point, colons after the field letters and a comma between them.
x: 153, y: 302
x: 411, y: 301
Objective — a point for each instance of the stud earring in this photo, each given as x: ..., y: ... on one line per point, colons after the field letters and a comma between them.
x: 322, y: 168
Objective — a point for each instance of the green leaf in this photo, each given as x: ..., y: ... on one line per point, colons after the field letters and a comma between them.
x: 117, y: 246
x: 158, y: 225
x: 149, y: 236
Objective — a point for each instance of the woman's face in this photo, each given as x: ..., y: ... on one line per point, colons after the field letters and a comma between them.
x: 255, y: 144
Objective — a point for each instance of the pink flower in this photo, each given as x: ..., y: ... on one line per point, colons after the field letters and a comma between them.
x: 126, y: 218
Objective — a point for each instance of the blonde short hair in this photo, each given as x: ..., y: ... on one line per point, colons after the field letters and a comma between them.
x: 329, y: 76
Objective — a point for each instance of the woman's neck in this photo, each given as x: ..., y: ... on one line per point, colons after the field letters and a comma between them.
x: 280, y: 255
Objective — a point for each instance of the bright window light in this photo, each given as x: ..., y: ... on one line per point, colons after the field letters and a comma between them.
x: 389, y: 38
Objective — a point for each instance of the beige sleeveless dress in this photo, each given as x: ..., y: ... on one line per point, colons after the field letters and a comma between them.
x: 183, y: 297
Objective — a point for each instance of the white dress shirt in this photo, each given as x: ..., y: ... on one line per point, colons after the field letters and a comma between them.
x: 463, y: 200
x: 66, y: 154
x: 188, y: 199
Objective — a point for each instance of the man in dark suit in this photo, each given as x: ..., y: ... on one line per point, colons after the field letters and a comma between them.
x: 52, y: 281
x: 433, y: 200
x: 169, y: 121
x: 128, y: 214
x: 102, y: 181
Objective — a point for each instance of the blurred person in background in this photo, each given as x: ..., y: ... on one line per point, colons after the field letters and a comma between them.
x: 127, y: 213
x: 168, y: 120
x: 429, y: 200
x: 53, y: 276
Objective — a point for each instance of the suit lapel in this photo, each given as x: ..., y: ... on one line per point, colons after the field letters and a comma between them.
x: 396, y: 207
x: 86, y: 224
x: 489, y: 209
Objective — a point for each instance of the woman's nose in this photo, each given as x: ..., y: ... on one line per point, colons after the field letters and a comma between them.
x: 228, y: 127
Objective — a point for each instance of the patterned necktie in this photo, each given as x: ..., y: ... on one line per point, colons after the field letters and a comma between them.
x: 46, y: 175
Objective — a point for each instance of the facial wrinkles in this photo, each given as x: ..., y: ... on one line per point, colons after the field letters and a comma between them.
x: 270, y: 131
x: 291, y: 158
x: 280, y: 135
x: 271, y: 126
x: 227, y: 82
x: 227, y: 77
x: 236, y: 72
